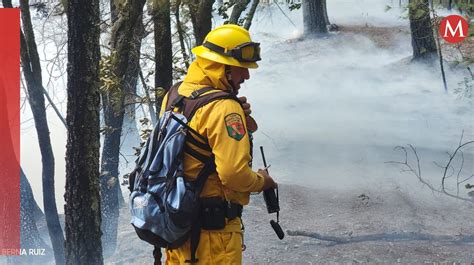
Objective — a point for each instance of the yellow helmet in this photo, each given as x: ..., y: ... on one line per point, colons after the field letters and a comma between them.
x: 231, y: 45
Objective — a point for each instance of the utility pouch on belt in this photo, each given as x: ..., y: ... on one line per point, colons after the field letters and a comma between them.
x: 215, y: 210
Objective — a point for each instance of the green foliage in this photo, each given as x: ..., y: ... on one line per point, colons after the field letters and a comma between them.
x: 222, y: 11
x: 466, y: 8
x: 179, y: 67
x: 468, y: 61
x: 420, y: 13
x: 160, y: 92
x: 42, y: 10
x: 109, y: 82
x: 293, y: 5
x: 387, y: 8
x: 465, y: 89
x: 145, y: 133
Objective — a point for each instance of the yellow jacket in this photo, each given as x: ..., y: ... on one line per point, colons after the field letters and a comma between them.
x: 219, y: 122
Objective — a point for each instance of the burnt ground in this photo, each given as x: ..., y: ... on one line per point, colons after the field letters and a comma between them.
x: 349, y: 214
x: 390, y: 37
x: 343, y: 214
x: 383, y: 37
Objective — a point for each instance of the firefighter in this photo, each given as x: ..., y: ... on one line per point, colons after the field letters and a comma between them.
x: 222, y: 62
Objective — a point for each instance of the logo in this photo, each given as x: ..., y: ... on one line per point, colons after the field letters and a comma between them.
x: 235, y: 126
x: 453, y: 28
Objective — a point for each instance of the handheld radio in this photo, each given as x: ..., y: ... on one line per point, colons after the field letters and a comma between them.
x: 272, y: 201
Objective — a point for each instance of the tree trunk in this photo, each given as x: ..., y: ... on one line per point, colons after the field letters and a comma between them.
x: 180, y: 31
x: 163, y: 50
x: 201, y: 18
x: 422, y: 39
x: 83, y: 244
x: 114, y: 109
x: 148, y: 99
x: 7, y: 3
x: 314, y: 17
x: 250, y: 15
x: 113, y: 11
x: 130, y: 134
x: 32, y: 72
x: 29, y: 214
x: 237, y: 10
x: 325, y: 12
x: 28, y: 199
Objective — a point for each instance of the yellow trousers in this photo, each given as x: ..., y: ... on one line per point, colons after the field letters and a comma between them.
x: 215, y: 247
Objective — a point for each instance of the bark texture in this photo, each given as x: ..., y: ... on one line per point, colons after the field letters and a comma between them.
x: 250, y: 15
x: 239, y: 7
x: 422, y: 39
x: 83, y: 219
x: 163, y: 50
x: 32, y: 72
x: 113, y: 101
x: 29, y: 215
x: 180, y: 31
x: 314, y: 17
x: 201, y: 18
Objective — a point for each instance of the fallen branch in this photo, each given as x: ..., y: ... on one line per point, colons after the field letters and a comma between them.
x: 387, y: 237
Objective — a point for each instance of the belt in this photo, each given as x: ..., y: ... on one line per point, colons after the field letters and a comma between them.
x: 234, y: 210
x: 231, y: 210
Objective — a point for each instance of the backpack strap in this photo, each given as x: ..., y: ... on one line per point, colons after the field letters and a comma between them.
x: 209, y: 167
x: 191, y: 105
x: 173, y: 97
x: 157, y: 255
x: 188, y: 107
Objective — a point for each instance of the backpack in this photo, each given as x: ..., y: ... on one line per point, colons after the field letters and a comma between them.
x: 164, y: 205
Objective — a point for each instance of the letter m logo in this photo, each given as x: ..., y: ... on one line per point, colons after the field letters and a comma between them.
x: 454, y: 28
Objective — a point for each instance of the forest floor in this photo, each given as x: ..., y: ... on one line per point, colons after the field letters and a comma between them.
x: 354, y: 213
x: 382, y: 37
x: 346, y: 215
x: 387, y: 37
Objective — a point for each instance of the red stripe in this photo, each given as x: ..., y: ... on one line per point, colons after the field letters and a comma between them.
x: 9, y: 131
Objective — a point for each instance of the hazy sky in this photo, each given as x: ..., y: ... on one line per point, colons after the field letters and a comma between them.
x: 330, y: 110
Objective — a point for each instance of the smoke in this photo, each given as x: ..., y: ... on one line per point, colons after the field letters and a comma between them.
x: 331, y: 110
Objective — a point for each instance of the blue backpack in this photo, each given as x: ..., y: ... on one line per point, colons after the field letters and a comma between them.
x: 164, y: 205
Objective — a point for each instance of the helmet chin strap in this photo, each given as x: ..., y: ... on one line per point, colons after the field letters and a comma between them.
x: 228, y: 76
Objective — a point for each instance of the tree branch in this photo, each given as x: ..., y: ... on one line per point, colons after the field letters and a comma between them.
x: 387, y: 237
x: 417, y: 173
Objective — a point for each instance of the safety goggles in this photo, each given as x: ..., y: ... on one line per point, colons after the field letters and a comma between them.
x: 246, y: 52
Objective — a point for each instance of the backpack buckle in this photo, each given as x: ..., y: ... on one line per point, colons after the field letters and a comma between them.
x: 195, y: 94
x: 177, y: 102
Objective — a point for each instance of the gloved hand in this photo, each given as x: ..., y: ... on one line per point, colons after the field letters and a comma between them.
x: 251, y: 123
x: 268, y: 181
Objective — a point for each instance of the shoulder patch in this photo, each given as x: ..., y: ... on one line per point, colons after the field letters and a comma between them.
x: 235, y: 126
